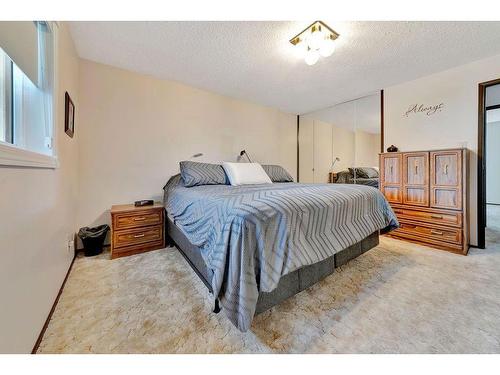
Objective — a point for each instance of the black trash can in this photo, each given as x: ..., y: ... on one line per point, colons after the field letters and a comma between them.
x: 93, y: 239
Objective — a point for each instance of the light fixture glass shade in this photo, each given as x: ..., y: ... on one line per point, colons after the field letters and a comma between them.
x: 315, y: 39
x: 318, y: 39
x: 312, y: 57
x: 327, y: 47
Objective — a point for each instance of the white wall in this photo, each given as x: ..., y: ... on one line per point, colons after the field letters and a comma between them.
x: 134, y: 130
x: 493, y: 162
x: 37, y: 217
x: 454, y: 126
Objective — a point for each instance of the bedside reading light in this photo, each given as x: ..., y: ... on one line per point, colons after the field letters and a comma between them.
x: 243, y: 152
x: 333, y: 164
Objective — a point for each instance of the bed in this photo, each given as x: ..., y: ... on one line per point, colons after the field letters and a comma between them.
x: 254, y: 246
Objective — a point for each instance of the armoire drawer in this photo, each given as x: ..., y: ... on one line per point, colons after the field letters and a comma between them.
x: 452, y: 235
x: 447, y: 218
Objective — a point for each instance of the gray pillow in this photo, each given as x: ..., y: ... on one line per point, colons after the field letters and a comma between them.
x: 370, y: 172
x: 364, y: 172
x: 195, y: 174
x: 277, y: 173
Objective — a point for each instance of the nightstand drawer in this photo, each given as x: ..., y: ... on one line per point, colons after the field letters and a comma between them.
x: 137, y: 219
x: 132, y: 237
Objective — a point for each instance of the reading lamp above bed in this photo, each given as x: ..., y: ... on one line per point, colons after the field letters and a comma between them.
x: 243, y: 152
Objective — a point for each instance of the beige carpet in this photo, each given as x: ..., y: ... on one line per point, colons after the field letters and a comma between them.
x: 396, y: 298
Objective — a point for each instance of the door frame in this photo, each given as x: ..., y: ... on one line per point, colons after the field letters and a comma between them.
x: 481, y: 162
x: 381, y: 122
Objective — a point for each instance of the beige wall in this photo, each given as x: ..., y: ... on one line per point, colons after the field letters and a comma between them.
x: 454, y: 126
x: 344, y: 148
x: 134, y: 130
x: 37, y: 218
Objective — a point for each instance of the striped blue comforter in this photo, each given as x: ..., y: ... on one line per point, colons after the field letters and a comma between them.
x: 250, y: 236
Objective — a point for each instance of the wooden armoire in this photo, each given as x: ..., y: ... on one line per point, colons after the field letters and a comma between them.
x: 428, y: 192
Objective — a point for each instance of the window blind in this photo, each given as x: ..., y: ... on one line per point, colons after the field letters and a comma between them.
x: 19, y: 40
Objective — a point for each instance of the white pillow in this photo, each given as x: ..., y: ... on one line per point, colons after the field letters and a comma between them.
x: 246, y: 173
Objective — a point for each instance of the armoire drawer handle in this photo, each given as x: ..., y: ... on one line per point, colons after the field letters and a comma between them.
x: 446, y: 169
x: 139, y: 235
x: 139, y: 218
x: 436, y: 216
x: 436, y: 232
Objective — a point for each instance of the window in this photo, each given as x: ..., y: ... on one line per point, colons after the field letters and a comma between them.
x: 5, y: 95
x: 26, y: 101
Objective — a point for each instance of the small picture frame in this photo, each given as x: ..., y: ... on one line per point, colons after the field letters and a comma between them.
x: 69, y: 115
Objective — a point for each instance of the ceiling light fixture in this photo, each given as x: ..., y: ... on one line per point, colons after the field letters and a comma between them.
x: 316, y: 40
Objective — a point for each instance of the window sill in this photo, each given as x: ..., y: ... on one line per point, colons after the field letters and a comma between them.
x: 12, y: 156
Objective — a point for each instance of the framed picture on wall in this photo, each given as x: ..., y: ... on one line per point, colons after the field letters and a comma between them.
x: 69, y: 115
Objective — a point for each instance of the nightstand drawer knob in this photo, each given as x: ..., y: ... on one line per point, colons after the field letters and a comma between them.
x: 139, y: 235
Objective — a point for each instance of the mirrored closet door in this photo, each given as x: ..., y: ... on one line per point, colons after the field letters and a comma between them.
x: 341, y: 143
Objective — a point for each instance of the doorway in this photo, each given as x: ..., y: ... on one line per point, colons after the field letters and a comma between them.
x: 488, y: 161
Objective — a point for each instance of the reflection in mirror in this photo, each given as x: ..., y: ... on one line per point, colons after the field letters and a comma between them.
x: 340, y: 144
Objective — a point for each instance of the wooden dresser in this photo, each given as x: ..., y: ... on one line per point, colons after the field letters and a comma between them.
x: 136, y: 229
x: 428, y: 192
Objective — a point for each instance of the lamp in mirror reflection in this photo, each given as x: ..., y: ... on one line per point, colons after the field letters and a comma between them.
x: 333, y: 164
x: 318, y: 39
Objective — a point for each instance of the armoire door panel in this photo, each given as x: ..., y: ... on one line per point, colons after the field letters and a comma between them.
x: 446, y: 179
x: 392, y: 169
x: 446, y: 169
x: 446, y: 198
x: 390, y: 177
x: 392, y: 194
x: 416, y: 196
x: 416, y: 169
x: 416, y: 178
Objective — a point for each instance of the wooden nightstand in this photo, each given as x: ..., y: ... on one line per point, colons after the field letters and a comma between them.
x: 136, y: 230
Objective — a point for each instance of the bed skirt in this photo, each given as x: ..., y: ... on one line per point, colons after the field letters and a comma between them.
x: 290, y: 284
